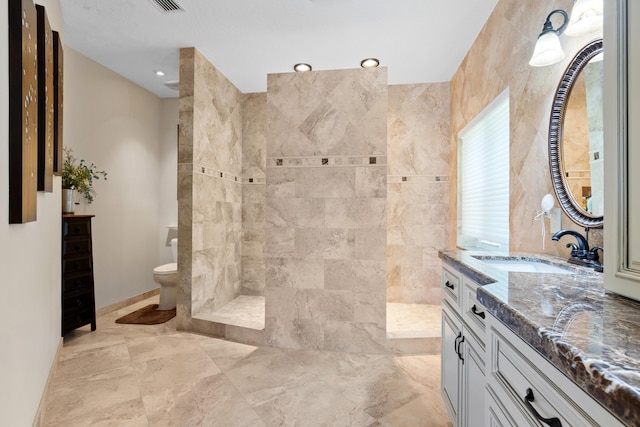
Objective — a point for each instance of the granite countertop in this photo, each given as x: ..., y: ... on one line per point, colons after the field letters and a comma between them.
x: 592, y: 336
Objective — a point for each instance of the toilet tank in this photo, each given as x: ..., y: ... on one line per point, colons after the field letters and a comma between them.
x: 174, y: 249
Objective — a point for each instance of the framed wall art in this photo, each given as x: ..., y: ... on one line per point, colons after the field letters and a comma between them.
x: 23, y: 111
x: 58, y: 84
x: 45, y: 102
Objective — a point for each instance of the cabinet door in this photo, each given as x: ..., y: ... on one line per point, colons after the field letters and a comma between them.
x: 622, y: 151
x: 473, y: 379
x: 451, y: 336
x: 633, y: 148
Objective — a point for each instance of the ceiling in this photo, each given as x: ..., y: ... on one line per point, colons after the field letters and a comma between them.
x: 418, y: 40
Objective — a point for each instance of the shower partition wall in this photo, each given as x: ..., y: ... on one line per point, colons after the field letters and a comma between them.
x: 326, y: 216
x: 285, y: 209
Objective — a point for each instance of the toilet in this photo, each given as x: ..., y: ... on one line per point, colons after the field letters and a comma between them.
x: 166, y: 275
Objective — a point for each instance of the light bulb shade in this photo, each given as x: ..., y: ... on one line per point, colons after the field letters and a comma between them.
x: 547, y: 51
x: 302, y: 67
x: 369, y: 63
x: 586, y: 16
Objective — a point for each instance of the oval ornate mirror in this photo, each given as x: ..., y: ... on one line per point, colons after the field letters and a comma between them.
x: 576, y: 138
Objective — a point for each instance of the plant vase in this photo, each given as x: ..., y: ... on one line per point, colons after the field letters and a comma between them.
x: 67, y: 200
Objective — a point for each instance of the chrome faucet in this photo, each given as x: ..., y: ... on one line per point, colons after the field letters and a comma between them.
x: 579, y: 252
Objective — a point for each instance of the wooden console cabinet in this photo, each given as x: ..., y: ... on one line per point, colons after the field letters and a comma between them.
x: 78, y: 299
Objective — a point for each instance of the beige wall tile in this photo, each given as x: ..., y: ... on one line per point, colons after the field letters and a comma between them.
x: 209, y: 143
x: 299, y: 273
x: 355, y: 213
x: 371, y: 244
x: 321, y: 287
x: 498, y: 60
x: 280, y: 242
x: 371, y: 182
x: 295, y: 212
x: 418, y: 208
x: 355, y: 275
x: 325, y: 243
x: 327, y: 182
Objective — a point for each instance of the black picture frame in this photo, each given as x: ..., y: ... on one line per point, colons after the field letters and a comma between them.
x: 23, y: 111
x: 58, y: 86
x: 45, y: 102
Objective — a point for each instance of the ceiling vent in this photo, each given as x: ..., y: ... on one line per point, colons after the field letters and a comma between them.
x: 173, y: 84
x: 167, y: 6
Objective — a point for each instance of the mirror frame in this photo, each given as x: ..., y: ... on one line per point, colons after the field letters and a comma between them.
x: 556, y: 127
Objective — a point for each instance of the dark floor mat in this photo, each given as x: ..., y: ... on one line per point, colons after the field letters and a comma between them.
x: 149, y: 315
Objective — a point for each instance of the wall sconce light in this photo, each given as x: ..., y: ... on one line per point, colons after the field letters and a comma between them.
x: 301, y: 67
x: 586, y: 16
x: 369, y: 63
x: 548, y: 50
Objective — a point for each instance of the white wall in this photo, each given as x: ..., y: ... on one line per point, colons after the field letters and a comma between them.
x: 130, y: 133
x: 30, y: 280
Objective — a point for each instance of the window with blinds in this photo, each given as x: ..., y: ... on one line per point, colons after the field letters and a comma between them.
x: 483, y: 179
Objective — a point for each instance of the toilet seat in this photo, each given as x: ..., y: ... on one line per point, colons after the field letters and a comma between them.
x: 166, y: 269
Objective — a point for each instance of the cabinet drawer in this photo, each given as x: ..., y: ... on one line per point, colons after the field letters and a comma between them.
x: 473, y: 313
x: 518, y: 378
x: 451, y: 286
x: 76, y: 246
x: 76, y: 264
x: 77, y: 283
x: 75, y: 320
x: 76, y: 304
x: 72, y: 227
x: 505, y: 413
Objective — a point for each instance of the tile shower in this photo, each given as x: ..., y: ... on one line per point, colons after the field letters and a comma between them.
x: 315, y: 208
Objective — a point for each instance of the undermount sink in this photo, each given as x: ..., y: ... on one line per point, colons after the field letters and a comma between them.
x: 524, y: 266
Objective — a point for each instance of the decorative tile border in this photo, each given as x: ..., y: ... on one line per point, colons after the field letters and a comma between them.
x: 302, y: 162
x: 331, y: 161
x: 578, y: 174
x: 214, y: 173
x: 417, y: 178
x: 252, y: 181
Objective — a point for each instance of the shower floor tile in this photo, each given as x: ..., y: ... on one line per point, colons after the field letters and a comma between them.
x: 413, y: 320
x: 403, y: 320
x: 245, y: 311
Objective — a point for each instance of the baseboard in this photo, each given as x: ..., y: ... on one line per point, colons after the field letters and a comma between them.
x: 124, y: 303
x: 38, y: 421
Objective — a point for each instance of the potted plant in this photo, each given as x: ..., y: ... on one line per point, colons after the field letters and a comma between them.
x: 77, y: 176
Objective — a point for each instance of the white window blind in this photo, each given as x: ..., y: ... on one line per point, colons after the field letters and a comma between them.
x: 483, y: 179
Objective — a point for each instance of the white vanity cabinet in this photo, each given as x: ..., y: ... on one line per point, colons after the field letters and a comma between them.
x: 491, y: 377
x: 523, y: 387
x: 463, y: 349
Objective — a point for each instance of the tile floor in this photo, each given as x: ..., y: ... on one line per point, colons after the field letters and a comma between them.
x: 133, y: 375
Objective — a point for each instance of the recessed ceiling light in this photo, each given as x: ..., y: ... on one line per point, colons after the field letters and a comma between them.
x: 369, y: 63
x: 302, y: 67
x: 159, y: 72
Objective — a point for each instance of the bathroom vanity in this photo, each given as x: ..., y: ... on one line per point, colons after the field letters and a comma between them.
x: 519, y: 347
x: 78, y: 299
